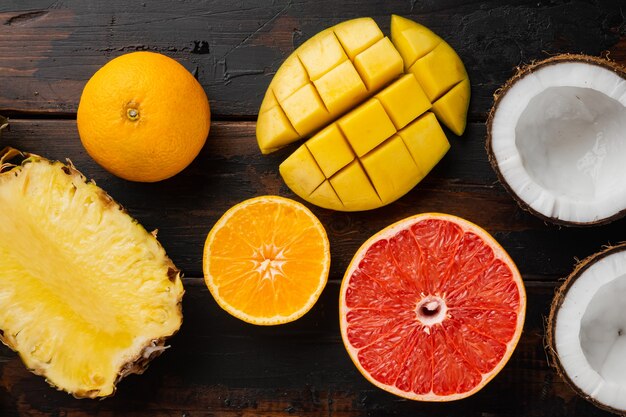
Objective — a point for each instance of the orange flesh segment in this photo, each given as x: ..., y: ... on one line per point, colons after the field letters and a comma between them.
x: 267, y: 261
x: 480, y: 291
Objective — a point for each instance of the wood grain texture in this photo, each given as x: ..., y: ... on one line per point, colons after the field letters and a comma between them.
x: 48, y: 51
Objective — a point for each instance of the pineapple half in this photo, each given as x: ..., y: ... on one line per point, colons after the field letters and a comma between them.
x: 87, y: 295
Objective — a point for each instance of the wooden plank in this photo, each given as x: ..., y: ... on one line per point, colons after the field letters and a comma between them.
x: 218, y: 365
x: 230, y: 169
x: 48, y: 51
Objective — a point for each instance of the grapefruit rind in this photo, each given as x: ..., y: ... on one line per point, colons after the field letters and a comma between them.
x: 394, y: 229
x: 276, y: 319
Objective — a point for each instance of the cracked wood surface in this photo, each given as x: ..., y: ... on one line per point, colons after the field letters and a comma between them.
x: 48, y: 51
x: 218, y: 365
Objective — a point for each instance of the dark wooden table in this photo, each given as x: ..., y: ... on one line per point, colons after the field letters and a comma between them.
x: 218, y: 365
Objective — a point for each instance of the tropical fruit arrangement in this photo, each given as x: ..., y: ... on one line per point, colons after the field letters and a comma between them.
x: 430, y: 308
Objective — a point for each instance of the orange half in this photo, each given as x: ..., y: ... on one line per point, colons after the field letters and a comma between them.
x: 266, y: 261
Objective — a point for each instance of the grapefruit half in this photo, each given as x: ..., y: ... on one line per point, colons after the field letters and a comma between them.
x: 431, y: 308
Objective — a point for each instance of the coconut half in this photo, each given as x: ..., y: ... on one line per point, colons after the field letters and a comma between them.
x: 586, y: 331
x: 556, y: 137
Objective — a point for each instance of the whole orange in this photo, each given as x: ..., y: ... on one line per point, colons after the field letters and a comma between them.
x: 143, y: 117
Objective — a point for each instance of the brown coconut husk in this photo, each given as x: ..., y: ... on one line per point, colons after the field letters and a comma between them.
x: 520, y: 73
x: 557, y: 302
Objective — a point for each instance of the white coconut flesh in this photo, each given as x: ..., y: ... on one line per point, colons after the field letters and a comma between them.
x: 558, y: 136
x: 590, y: 331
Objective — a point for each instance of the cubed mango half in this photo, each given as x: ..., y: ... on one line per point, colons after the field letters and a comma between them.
x: 371, y: 108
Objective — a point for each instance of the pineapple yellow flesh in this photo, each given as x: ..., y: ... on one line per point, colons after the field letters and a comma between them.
x: 85, y: 291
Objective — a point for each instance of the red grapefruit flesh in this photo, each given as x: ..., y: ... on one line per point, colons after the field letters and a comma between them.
x: 431, y: 308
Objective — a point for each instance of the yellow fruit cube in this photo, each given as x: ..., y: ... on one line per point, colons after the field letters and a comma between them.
x: 357, y: 35
x: 301, y: 173
x: 367, y: 126
x: 412, y: 39
x: 438, y: 71
x: 290, y: 77
x: 379, y: 64
x: 451, y: 108
x: 326, y: 197
x: 330, y: 150
x: 341, y: 88
x: 273, y: 130
x: 321, y: 53
x: 404, y: 100
x: 305, y: 110
x: 268, y: 102
x: 354, y: 189
x: 426, y: 142
x: 391, y: 169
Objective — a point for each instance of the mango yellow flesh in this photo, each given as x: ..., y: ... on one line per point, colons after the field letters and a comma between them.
x: 362, y: 161
x: 438, y: 69
x: 360, y: 96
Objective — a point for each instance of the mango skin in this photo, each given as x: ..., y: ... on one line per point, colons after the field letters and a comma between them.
x: 374, y: 132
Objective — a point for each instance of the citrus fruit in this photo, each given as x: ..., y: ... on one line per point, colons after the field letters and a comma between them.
x: 431, y: 308
x: 143, y: 117
x: 266, y: 260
